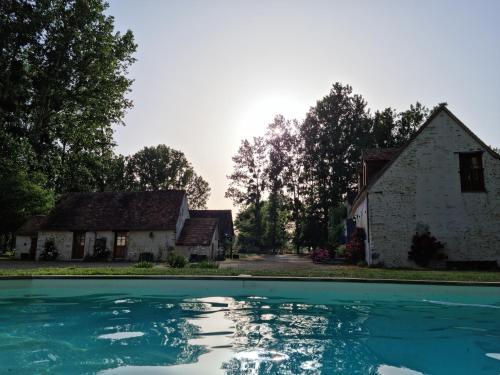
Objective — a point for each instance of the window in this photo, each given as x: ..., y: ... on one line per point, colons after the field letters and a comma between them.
x: 121, y: 239
x: 471, y: 171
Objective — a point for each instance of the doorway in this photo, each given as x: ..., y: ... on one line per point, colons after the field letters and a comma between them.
x: 78, y: 245
x: 121, y: 242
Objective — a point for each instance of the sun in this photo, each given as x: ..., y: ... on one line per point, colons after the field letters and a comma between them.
x: 261, y: 111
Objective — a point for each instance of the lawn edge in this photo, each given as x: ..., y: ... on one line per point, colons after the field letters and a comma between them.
x: 254, y: 278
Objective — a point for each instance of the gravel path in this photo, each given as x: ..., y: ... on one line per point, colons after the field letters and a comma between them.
x: 274, y: 263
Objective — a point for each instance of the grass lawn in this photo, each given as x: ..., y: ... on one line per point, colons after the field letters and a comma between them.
x: 339, y: 272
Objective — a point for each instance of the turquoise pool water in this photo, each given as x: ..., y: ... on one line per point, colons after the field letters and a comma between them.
x: 246, y: 327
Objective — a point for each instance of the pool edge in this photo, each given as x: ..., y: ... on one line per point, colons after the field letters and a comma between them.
x: 255, y: 278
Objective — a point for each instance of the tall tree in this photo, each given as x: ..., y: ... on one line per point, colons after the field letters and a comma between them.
x: 158, y: 168
x: 247, y: 183
x: 335, y: 131
x: 63, y: 85
x: 279, y: 145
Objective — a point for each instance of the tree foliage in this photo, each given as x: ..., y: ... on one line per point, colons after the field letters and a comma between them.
x: 157, y: 168
x: 247, y: 183
x: 63, y: 72
x: 63, y: 86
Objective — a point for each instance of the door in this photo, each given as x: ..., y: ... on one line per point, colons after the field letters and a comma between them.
x: 121, y: 241
x: 33, y: 244
x: 78, y: 245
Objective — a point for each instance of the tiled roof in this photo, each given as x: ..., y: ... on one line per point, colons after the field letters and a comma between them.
x: 147, y: 210
x: 31, y: 226
x: 379, y: 154
x: 225, y: 220
x: 198, y: 231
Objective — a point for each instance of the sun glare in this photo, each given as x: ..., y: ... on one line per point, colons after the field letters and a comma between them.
x: 261, y: 112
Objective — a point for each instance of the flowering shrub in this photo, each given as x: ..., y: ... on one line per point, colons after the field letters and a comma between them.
x: 425, y: 248
x: 320, y: 255
x: 355, y: 249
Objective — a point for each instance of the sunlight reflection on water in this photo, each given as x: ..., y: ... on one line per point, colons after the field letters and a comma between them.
x: 176, y: 330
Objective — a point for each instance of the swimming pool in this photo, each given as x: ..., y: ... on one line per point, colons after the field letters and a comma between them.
x: 246, y: 327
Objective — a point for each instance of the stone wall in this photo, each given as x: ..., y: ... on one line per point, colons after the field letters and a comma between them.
x: 422, y: 189
x: 62, y: 240
x: 23, y: 245
x: 156, y: 242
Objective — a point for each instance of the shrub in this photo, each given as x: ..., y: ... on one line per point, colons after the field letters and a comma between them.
x: 205, y: 264
x: 49, y: 251
x: 144, y: 264
x: 100, y: 251
x: 320, y: 255
x: 355, y: 249
x: 425, y: 248
x: 340, y: 251
x: 146, y: 257
x: 176, y: 261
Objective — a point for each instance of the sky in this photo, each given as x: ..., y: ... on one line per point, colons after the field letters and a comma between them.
x: 211, y: 73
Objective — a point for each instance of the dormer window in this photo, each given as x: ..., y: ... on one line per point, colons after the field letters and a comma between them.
x: 471, y: 171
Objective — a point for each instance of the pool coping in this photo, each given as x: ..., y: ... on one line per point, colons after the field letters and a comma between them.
x: 252, y: 278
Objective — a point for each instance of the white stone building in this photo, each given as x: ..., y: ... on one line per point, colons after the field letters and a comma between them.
x: 445, y: 180
x: 123, y: 224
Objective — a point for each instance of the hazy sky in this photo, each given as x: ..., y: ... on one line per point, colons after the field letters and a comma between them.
x: 210, y: 73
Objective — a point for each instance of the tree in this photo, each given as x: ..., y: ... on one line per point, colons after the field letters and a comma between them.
x: 392, y: 129
x: 334, y: 133
x: 247, y: 183
x: 409, y: 121
x: 279, y: 144
x: 21, y: 196
x: 198, y: 192
x: 275, y: 233
x: 63, y: 85
x: 158, y: 168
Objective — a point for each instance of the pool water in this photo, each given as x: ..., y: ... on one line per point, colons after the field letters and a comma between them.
x: 246, y: 327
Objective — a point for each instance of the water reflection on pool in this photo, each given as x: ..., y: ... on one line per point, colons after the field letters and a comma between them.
x: 235, y: 327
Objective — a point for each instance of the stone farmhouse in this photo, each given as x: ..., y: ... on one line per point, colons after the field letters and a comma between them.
x: 126, y: 225
x: 446, y: 181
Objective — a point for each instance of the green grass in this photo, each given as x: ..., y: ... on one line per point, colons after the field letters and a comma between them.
x: 340, y: 272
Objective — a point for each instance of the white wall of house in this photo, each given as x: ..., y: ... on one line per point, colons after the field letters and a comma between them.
x: 183, y: 215
x: 63, y: 242
x: 156, y: 242
x: 23, y: 245
x: 422, y: 188
x: 361, y: 217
